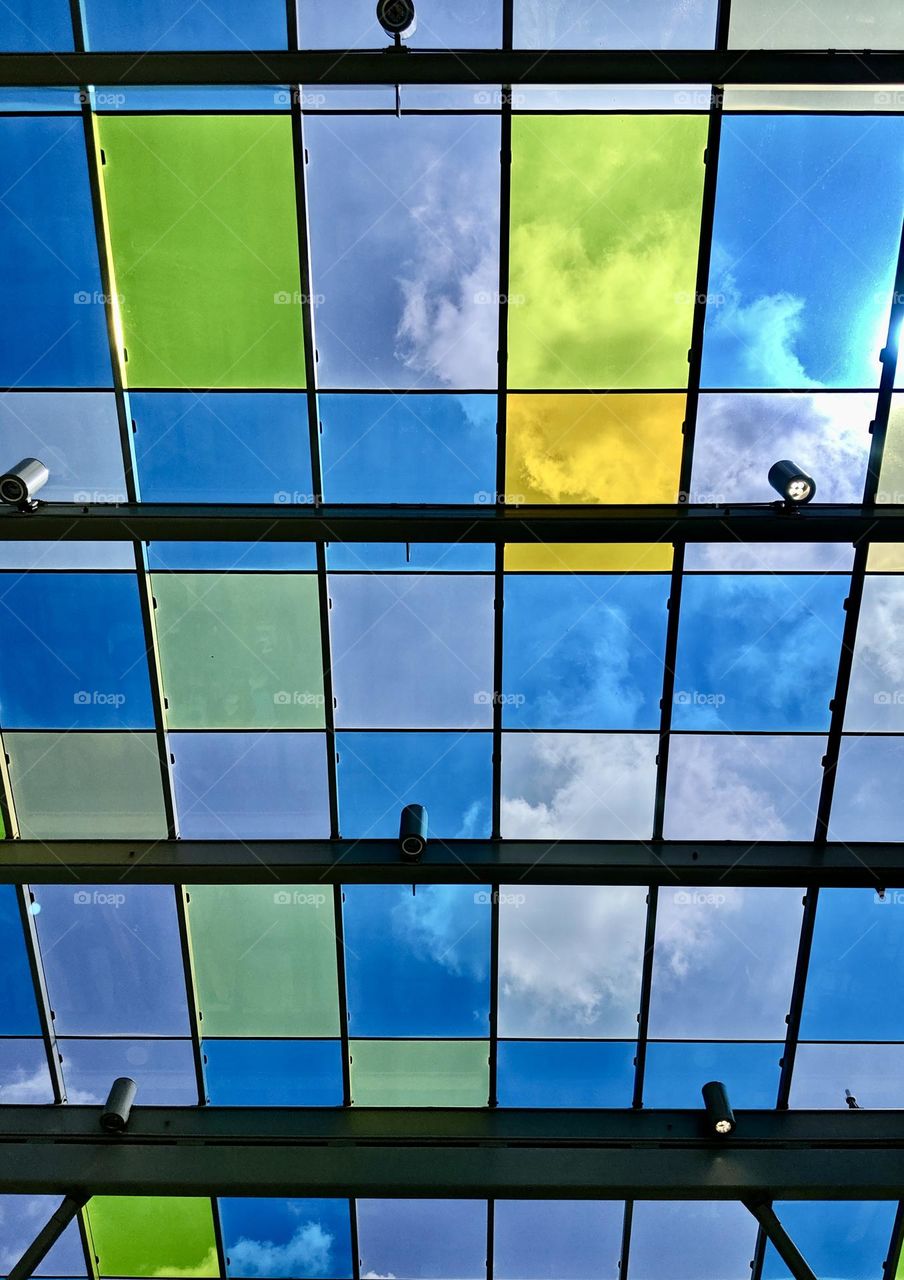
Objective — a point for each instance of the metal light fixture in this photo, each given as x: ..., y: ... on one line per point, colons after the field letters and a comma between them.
x: 397, y: 18
x: 795, y: 486
x: 718, y: 1108
x: 413, y: 832
x: 115, y: 1115
x: 19, y: 485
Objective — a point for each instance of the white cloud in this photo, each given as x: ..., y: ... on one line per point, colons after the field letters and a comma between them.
x: 307, y: 1253
x: 878, y: 670
x: 438, y: 923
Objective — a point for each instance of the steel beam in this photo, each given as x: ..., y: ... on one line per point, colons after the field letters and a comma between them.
x: 784, y: 1246
x: 47, y: 1237
x: 193, y: 522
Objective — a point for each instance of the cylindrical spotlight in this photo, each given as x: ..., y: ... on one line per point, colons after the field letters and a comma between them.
x: 794, y: 485
x: 116, y: 1111
x: 397, y: 18
x: 413, y: 832
x: 718, y: 1108
x: 19, y: 485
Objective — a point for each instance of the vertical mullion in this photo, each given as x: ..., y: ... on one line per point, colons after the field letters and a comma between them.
x: 491, y: 1237
x: 646, y: 985
x: 759, y: 1255
x: 182, y: 897
x: 353, y: 1229
x: 42, y: 998
x: 627, y: 1224
x: 342, y: 994
x: 798, y: 988
x: 493, y: 1044
x: 895, y: 1245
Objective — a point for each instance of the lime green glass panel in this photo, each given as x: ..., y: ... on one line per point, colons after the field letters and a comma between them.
x: 204, y: 245
x: 71, y: 786
x: 264, y: 959
x: 604, y: 238
x: 153, y: 1236
x: 420, y: 1073
x: 240, y: 651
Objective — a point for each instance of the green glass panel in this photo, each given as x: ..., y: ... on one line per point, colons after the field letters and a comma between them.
x: 604, y: 239
x: 153, y: 1236
x: 264, y: 959
x: 204, y: 244
x: 420, y: 1073
x: 240, y: 651
x: 69, y: 786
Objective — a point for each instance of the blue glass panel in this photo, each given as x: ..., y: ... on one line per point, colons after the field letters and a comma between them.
x: 53, y: 332
x: 21, y: 1218
x: 213, y: 98
x: 35, y: 26
x: 846, y: 1238
x: 758, y: 651
x: 557, y: 1239
x: 857, y: 958
x: 675, y: 1073
x: 411, y: 557
x: 404, y: 247
x: 803, y: 262
x: 423, y: 1239
x: 112, y: 959
x: 66, y: 555
x: 241, y: 556
x: 164, y: 1070
x: 75, y: 435
x: 72, y: 653
x: 273, y: 1073
x: 263, y: 786
x: 434, y: 448
x: 293, y: 1238
x: 412, y: 653
x: 18, y: 1012
x: 417, y: 963
x: 867, y: 803
x: 170, y: 24
x: 874, y: 1074
x: 771, y: 557
x: 565, y: 1073
x: 583, y: 651
x: 219, y: 447
x: 24, y: 1076
x: 449, y: 773
x: 712, y: 1238
x: 472, y: 24
x: 615, y: 24
x: 30, y: 98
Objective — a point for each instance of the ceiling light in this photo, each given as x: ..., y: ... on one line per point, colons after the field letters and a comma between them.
x: 794, y: 485
x: 718, y: 1108
x: 413, y: 832
x: 19, y: 485
x: 397, y: 18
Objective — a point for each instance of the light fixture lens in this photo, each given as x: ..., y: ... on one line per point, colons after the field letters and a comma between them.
x: 793, y: 483
x: 724, y: 1126
x: 799, y: 490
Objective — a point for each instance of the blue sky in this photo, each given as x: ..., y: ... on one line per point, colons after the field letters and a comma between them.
x: 410, y: 1239
x: 275, y: 1073
x: 867, y: 803
x: 557, y: 1239
x: 565, y: 1073
x: 843, y: 1238
x: 76, y: 434
x: 615, y: 24
x: 265, y: 1237
x: 21, y: 1218
x: 712, y: 1238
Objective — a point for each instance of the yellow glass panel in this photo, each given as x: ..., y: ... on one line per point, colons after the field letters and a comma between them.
x: 891, y: 476
x: 885, y: 557
x: 588, y: 557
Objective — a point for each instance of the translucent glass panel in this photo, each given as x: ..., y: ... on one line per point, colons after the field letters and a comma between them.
x: 72, y: 653
x: 33, y: 26
x: 70, y: 786
x: 583, y: 651
x: 575, y: 785
x: 141, y: 1236
x: 835, y: 24
x: 404, y: 217
x: 758, y: 652
x: 590, y: 448
x: 414, y: 448
x: 255, y: 786
x: 222, y: 447
x: 803, y: 264
x: 604, y: 238
x: 824, y: 1073
x: 24, y: 1077
x: 743, y: 786
x: 712, y: 1238
x: 240, y: 651
x: 847, y: 1238
x: 18, y: 1012
x: 419, y: 1073
x: 53, y: 331
x: 423, y: 1239
x: 206, y: 271
x: 570, y: 960
x: 565, y: 1073
x: 163, y: 1069
x: 75, y: 435
x: 625, y: 24
x: 412, y: 652
x: 557, y: 1239
x: 875, y: 699
x: 21, y: 1218
x: 675, y: 1073
x: 264, y: 960
x: 867, y: 803
x: 273, y: 1073
x: 224, y: 24
x: 891, y: 476
x: 449, y: 773
x: 472, y: 24
x: 276, y: 1238
x: 588, y: 557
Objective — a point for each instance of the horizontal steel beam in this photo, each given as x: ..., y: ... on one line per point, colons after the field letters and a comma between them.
x: 457, y: 66
x: 106, y: 522
x: 669, y: 863
x: 456, y: 1153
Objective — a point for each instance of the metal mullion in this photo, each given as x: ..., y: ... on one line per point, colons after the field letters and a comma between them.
x: 646, y: 985
x: 895, y: 1245
x: 798, y: 990
x: 491, y: 1238
x: 342, y: 995
x: 353, y: 1230
x: 182, y: 896
x: 759, y: 1255
x: 493, y: 1042
x: 624, y: 1261
x: 42, y: 998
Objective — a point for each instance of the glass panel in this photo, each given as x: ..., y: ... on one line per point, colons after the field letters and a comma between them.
x: 714, y: 976
x: 557, y: 1239
x: 72, y: 786
x: 67, y: 555
x: 273, y: 1073
x: 867, y: 803
x: 167, y: 24
x: 72, y: 653
x: 53, y: 331
x: 758, y: 652
x: 112, y: 959
x: 603, y: 264
x: 420, y: 1073
x: 472, y: 24
x: 164, y: 1070
x: 611, y: 557
x: 251, y: 786
x: 21, y: 1218
x: 417, y: 962
x: 449, y: 773
x: 891, y: 476
x: 624, y: 24
x: 769, y: 557
x: 415, y: 448
x: 207, y: 272
x: 712, y: 1238
x: 839, y: 1238
x: 242, y: 556
x: 876, y: 694
x: 676, y: 1073
x: 873, y: 1073
x: 570, y: 960
x: 412, y: 652
x: 76, y: 436
x: 24, y: 1076
x: 147, y: 1236
x: 240, y: 651
x: 835, y: 24
x: 404, y: 217
x: 18, y: 1012
x: 582, y: 652
x: 803, y: 263
x: 292, y: 1238
x: 34, y: 26
x: 736, y: 787
x: 264, y: 959
x: 222, y: 447
x: 412, y: 557
x: 576, y: 785
x: 423, y: 1239
x: 565, y: 1073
